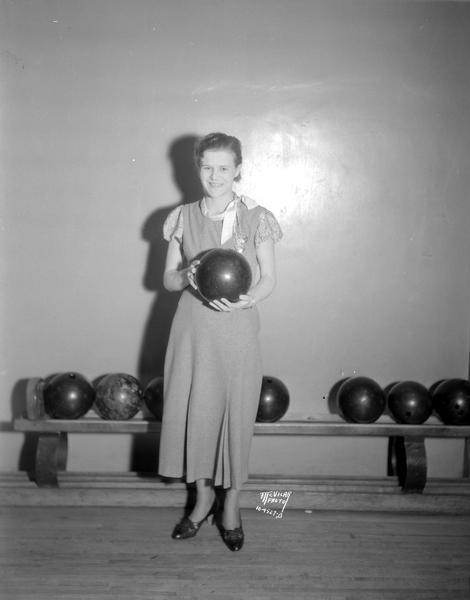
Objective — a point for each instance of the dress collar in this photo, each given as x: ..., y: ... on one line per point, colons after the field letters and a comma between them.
x: 221, y: 215
x: 248, y: 202
x: 228, y: 216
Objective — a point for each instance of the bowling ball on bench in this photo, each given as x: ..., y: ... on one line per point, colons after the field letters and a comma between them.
x: 273, y: 400
x: 361, y: 400
x: 409, y: 402
x: 222, y: 273
x: 153, y: 397
x: 67, y: 396
x: 451, y: 401
x: 119, y: 396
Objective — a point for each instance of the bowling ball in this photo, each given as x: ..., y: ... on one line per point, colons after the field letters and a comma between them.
x: 273, y: 400
x: 361, y: 400
x: 434, y: 386
x: 222, y: 273
x: 451, y: 401
x: 118, y: 396
x: 153, y: 397
x: 409, y: 402
x: 67, y: 396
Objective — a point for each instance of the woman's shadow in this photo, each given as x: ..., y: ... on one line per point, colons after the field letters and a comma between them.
x: 157, y: 328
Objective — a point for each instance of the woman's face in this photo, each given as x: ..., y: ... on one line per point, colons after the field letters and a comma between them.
x: 218, y: 172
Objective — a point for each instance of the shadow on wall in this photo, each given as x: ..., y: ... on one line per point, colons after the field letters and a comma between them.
x: 157, y: 327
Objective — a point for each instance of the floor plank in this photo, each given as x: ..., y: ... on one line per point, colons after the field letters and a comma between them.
x: 65, y: 553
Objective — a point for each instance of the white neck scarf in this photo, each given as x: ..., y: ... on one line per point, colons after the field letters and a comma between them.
x: 228, y: 215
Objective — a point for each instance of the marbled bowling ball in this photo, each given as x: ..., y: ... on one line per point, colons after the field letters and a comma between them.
x: 67, y: 395
x: 361, y: 400
x: 223, y: 273
x: 273, y: 400
x: 119, y: 396
x: 409, y: 402
x: 153, y: 397
x: 451, y: 401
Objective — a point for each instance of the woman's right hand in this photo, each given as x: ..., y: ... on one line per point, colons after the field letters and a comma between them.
x: 191, y: 273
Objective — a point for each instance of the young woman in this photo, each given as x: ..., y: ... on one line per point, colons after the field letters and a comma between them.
x: 213, y: 371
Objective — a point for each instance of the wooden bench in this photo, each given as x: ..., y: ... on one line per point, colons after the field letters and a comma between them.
x: 406, y: 449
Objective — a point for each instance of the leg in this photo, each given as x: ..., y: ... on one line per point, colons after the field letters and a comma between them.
x: 189, y: 525
x: 204, y: 500
x: 231, y: 517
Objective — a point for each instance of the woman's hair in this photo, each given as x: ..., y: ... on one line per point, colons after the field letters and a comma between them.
x: 216, y: 141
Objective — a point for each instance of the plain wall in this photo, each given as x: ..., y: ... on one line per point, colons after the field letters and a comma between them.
x: 354, y: 120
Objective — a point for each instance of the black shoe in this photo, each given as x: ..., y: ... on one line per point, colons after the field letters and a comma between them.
x: 187, y: 529
x: 233, y: 538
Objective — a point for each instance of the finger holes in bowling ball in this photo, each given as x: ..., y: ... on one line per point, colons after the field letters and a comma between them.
x: 273, y: 400
x: 451, y: 401
x: 409, y: 402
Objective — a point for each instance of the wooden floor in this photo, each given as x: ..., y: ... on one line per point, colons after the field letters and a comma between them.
x: 64, y: 553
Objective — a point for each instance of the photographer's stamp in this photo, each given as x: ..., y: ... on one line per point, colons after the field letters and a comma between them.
x: 273, y: 502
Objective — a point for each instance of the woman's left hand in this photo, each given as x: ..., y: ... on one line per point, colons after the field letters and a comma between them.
x: 225, y: 305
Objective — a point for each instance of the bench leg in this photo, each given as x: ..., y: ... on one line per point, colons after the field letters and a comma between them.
x: 392, y: 469
x: 466, y: 458
x: 51, y: 457
x: 407, y: 460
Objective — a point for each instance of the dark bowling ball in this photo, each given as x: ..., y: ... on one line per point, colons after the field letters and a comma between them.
x: 223, y: 273
x: 409, y: 402
x: 451, y: 401
x: 434, y: 386
x: 118, y: 396
x: 67, y: 396
x: 153, y: 397
x: 361, y: 400
x: 273, y: 400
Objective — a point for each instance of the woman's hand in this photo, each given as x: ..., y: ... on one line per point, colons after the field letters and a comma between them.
x: 191, y: 272
x: 224, y: 305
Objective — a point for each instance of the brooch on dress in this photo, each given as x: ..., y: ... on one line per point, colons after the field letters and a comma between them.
x: 239, y: 237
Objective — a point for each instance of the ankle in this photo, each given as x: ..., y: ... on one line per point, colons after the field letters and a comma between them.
x: 202, y: 507
x: 231, y: 518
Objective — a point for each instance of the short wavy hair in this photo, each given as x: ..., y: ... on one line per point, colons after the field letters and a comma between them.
x: 218, y: 141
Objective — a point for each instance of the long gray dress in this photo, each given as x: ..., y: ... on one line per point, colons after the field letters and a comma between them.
x: 213, y: 370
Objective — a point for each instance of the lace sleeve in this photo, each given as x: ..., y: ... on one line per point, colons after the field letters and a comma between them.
x: 268, y: 228
x: 173, y: 225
